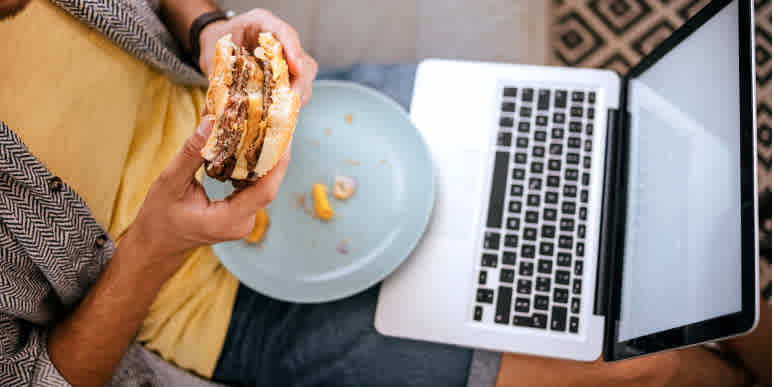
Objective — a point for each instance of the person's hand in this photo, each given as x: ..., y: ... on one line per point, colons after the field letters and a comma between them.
x: 177, y: 215
x: 244, y: 31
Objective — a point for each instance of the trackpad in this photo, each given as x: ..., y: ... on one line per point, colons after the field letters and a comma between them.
x: 459, y: 173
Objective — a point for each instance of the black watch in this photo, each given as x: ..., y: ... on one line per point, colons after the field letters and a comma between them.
x: 198, y: 25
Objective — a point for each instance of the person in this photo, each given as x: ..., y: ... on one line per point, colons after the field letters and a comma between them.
x: 106, y: 274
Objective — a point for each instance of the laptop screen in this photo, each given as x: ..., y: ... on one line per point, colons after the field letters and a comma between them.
x: 682, y: 256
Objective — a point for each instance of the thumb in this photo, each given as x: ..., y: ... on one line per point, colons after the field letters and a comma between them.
x: 189, y: 159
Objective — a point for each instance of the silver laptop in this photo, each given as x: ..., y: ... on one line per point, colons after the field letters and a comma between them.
x: 581, y: 213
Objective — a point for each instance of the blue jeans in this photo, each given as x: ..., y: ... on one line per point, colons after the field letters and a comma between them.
x: 273, y: 343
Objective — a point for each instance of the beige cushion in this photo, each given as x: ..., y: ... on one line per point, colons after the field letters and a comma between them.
x: 342, y: 32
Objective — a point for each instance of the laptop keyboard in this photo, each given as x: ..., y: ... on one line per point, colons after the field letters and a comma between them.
x: 531, y: 262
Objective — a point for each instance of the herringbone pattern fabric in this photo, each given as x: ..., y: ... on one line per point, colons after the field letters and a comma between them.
x: 135, y: 26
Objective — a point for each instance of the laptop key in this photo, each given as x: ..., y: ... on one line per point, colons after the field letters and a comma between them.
x: 543, y: 284
x: 592, y: 97
x: 526, y: 95
x: 541, y: 302
x: 571, y: 174
x: 554, y: 164
x: 514, y: 207
x: 575, y: 305
x: 576, y: 112
x: 523, y: 126
x: 574, y: 142
x: 578, y: 268
x: 589, y: 129
x: 530, y: 234
x: 520, y: 158
x: 518, y: 174
x: 549, y: 214
x: 587, y: 145
x: 508, y: 107
x: 584, y: 197
x: 485, y: 295
x: 581, y: 231
x: 517, y: 189
x: 546, y: 248
x: 555, y: 149
x: 512, y: 240
x: 544, y: 266
x: 560, y: 98
x: 536, y: 167
x: 548, y: 231
x: 568, y: 208
x: 575, y: 127
x: 504, y: 139
x: 497, y: 193
x: 574, y: 321
x: 586, y: 179
x: 509, y: 258
x: 525, y: 111
x: 558, y: 318
x: 531, y: 216
x: 477, y: 313
x: 538, y: 151
x: 561, y: 295
x: 526, y: 268
x: 552, y: 181
x: 506, y: 122
x: 590, y: 113
x: 586, y: 162
x: 503, y: 306
x: 539, y: 320
x: 577, y: 286
x: 582, y: 213
x: 559, y: 118
x: 488, y: 260
x: 523, y: 321
x: 535, y: 183
x: 570, y: 190
x: 540, y: 135
x: 541, y: 120
x: 533, y: 200
x: 565, y: 242
x: 577, y: 96
x: 563, y: 259
x: 527, y: 251
x: 573, y: 158
x: 524, y: 286
x: 557, y: 133
x: 491, y: 240
x: 543, y: 97
x: 562, y: 277
x: 521, y: 305
x: 512, y: 223
x: 482, y: 277
x: 509, y: 92
x: 552, y: 197
x: 579, y: 249
x: 507, y: 275
x: 567, y: 224
x: 522, y: 142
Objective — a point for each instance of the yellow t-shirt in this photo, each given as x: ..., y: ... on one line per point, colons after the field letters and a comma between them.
x: 107, y: 124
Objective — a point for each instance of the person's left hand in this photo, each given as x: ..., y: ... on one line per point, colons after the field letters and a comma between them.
x: 244, y: 31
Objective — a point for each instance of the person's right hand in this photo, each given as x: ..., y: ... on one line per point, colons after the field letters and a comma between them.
x: 177, y: 215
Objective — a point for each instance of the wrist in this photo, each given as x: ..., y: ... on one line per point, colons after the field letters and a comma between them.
x: 141, y: 256
x: 206, y: 40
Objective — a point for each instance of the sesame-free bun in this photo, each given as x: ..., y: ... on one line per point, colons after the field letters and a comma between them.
x: 255, y: 110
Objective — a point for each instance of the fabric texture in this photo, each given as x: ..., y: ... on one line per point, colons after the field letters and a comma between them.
x: 615, y: 35
x: 54, y: 243
x: 274, y: 343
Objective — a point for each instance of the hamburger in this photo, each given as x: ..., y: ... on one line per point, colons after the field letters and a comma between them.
x: 255, y: 110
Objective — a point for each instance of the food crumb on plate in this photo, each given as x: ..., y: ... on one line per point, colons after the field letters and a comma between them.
x: 300, y: 200
x: 348, y: 117
x: 343, y: 246
x: 353, y: 162
x: 382, y: 161
x: 327, y: 131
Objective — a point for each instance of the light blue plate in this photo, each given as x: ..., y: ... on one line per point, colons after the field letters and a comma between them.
x: 298, y: 259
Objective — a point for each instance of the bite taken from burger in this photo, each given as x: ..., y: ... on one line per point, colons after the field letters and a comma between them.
x: 255, y: 110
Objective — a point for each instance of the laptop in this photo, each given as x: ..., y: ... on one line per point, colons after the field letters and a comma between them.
x: 582, y: 214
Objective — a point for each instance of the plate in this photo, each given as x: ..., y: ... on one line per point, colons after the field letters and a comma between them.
x: 301, y: 258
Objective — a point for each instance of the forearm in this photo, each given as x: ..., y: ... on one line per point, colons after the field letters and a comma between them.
x: 89, y: 343
x: 754, y: 350
x: 180, y: 14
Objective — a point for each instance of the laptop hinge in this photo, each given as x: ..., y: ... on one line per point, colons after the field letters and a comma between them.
x: 603, y: 259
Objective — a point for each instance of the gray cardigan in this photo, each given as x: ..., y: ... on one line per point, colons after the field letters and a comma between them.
x: 51, y: 247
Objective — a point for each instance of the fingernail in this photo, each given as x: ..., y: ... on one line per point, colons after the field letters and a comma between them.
x: 205, y: 127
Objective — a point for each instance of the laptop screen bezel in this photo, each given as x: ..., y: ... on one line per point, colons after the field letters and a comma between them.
x: 726, y: 325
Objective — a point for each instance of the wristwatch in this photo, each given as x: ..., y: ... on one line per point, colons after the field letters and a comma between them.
x: 198, y: 25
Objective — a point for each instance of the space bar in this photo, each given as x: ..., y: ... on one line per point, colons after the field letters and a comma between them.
x: 497, y: 193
